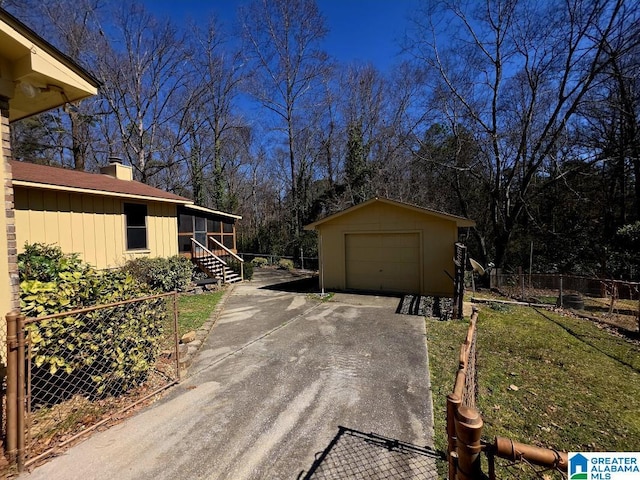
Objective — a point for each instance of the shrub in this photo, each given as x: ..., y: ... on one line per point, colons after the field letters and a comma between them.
x: 248, y: 270
x: 162, y: 274
x: 105, y: 351
x: 285, y: 264
x: 45, y: 262
x: 260, y: 262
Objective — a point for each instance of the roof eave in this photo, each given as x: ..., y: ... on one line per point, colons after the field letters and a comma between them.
x: 460, y: 221
x: 36, y: 76
x: 89, y: 191
x: 193, y: 206
x: 27, y: 32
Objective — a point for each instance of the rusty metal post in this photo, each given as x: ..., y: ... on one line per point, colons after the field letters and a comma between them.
x: 12, y: 386
x: 20, y: 423
x: 453, y: 403
x: 545, y: 457
x: 468, y: 432
x: 176, y: 335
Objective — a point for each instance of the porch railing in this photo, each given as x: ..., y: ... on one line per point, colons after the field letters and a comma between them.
x: 200, y: 254
x: 229, y: 252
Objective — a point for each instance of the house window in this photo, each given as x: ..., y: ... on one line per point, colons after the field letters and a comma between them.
x: 185, y: 223
x: 136, y: 218
x: 227, y: 241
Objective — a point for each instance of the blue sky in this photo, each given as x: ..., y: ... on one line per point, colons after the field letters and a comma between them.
x: 359, y: 30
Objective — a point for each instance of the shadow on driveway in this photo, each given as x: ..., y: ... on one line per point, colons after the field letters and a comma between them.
x: 358, y: 455
x: 300, y: 285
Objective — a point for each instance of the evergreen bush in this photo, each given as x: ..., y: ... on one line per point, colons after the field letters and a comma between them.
x: 260, y: 262
x: 103, y: 352
x: 285, y: 264
x: 162, y: 274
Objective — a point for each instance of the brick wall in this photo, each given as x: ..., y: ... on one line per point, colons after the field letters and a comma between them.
x: 8, y: 204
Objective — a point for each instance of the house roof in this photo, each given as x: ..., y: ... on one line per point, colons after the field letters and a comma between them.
x: 460, y: 221
x: 37, y: 76
x: 58, y: 178
x: 198, y: 208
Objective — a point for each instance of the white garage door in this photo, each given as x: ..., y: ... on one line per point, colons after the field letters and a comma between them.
x: 385, y: 262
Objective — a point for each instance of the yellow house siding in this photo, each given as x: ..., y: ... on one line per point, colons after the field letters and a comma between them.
x: 437, y: 238
x: 93, y: 226
x: 64, y: 222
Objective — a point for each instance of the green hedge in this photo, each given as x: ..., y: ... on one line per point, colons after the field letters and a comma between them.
x: 162, y: 274
x: 103, y: 352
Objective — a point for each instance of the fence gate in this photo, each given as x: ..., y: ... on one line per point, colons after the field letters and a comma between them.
x: 71, y: 372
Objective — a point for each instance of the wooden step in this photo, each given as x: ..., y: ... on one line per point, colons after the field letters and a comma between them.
x: 213, y: 268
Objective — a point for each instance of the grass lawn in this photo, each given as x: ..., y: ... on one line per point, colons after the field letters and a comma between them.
x: 578, y: 386
x: 194, y: 310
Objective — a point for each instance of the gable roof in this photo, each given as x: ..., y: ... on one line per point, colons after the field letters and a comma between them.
x: 58, y: 178
x: 460, y: 221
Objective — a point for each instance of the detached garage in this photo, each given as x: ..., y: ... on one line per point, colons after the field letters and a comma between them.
x: 386, y: 246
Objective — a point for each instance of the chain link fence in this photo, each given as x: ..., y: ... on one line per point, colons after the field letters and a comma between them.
x: 616, y: 302
x: 470, y: 391
x: 523, y: 469
x: 86, y: 367
x: 300, y: 261
x: 357, y: 455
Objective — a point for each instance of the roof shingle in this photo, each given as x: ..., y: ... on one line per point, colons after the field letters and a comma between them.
x: 100, y: 183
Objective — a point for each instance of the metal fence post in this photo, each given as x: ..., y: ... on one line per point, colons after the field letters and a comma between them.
x: 20, y: 401
x: 560, y: 294
x: 12, y: 386
x: 176, y: 334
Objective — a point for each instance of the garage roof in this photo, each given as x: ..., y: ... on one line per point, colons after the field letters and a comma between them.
x: 460, y: 221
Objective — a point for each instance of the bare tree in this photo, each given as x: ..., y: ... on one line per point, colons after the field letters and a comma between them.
x: 282, y: 40
x: 73, y: 29
x: 515, y: 73
x: 144, y: 68
x: 219, y: 72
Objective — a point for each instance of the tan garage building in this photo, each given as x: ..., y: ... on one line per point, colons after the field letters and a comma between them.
x: 387, y: 246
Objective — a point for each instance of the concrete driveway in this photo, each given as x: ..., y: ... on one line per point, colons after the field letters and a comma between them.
x: 277, y: 377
